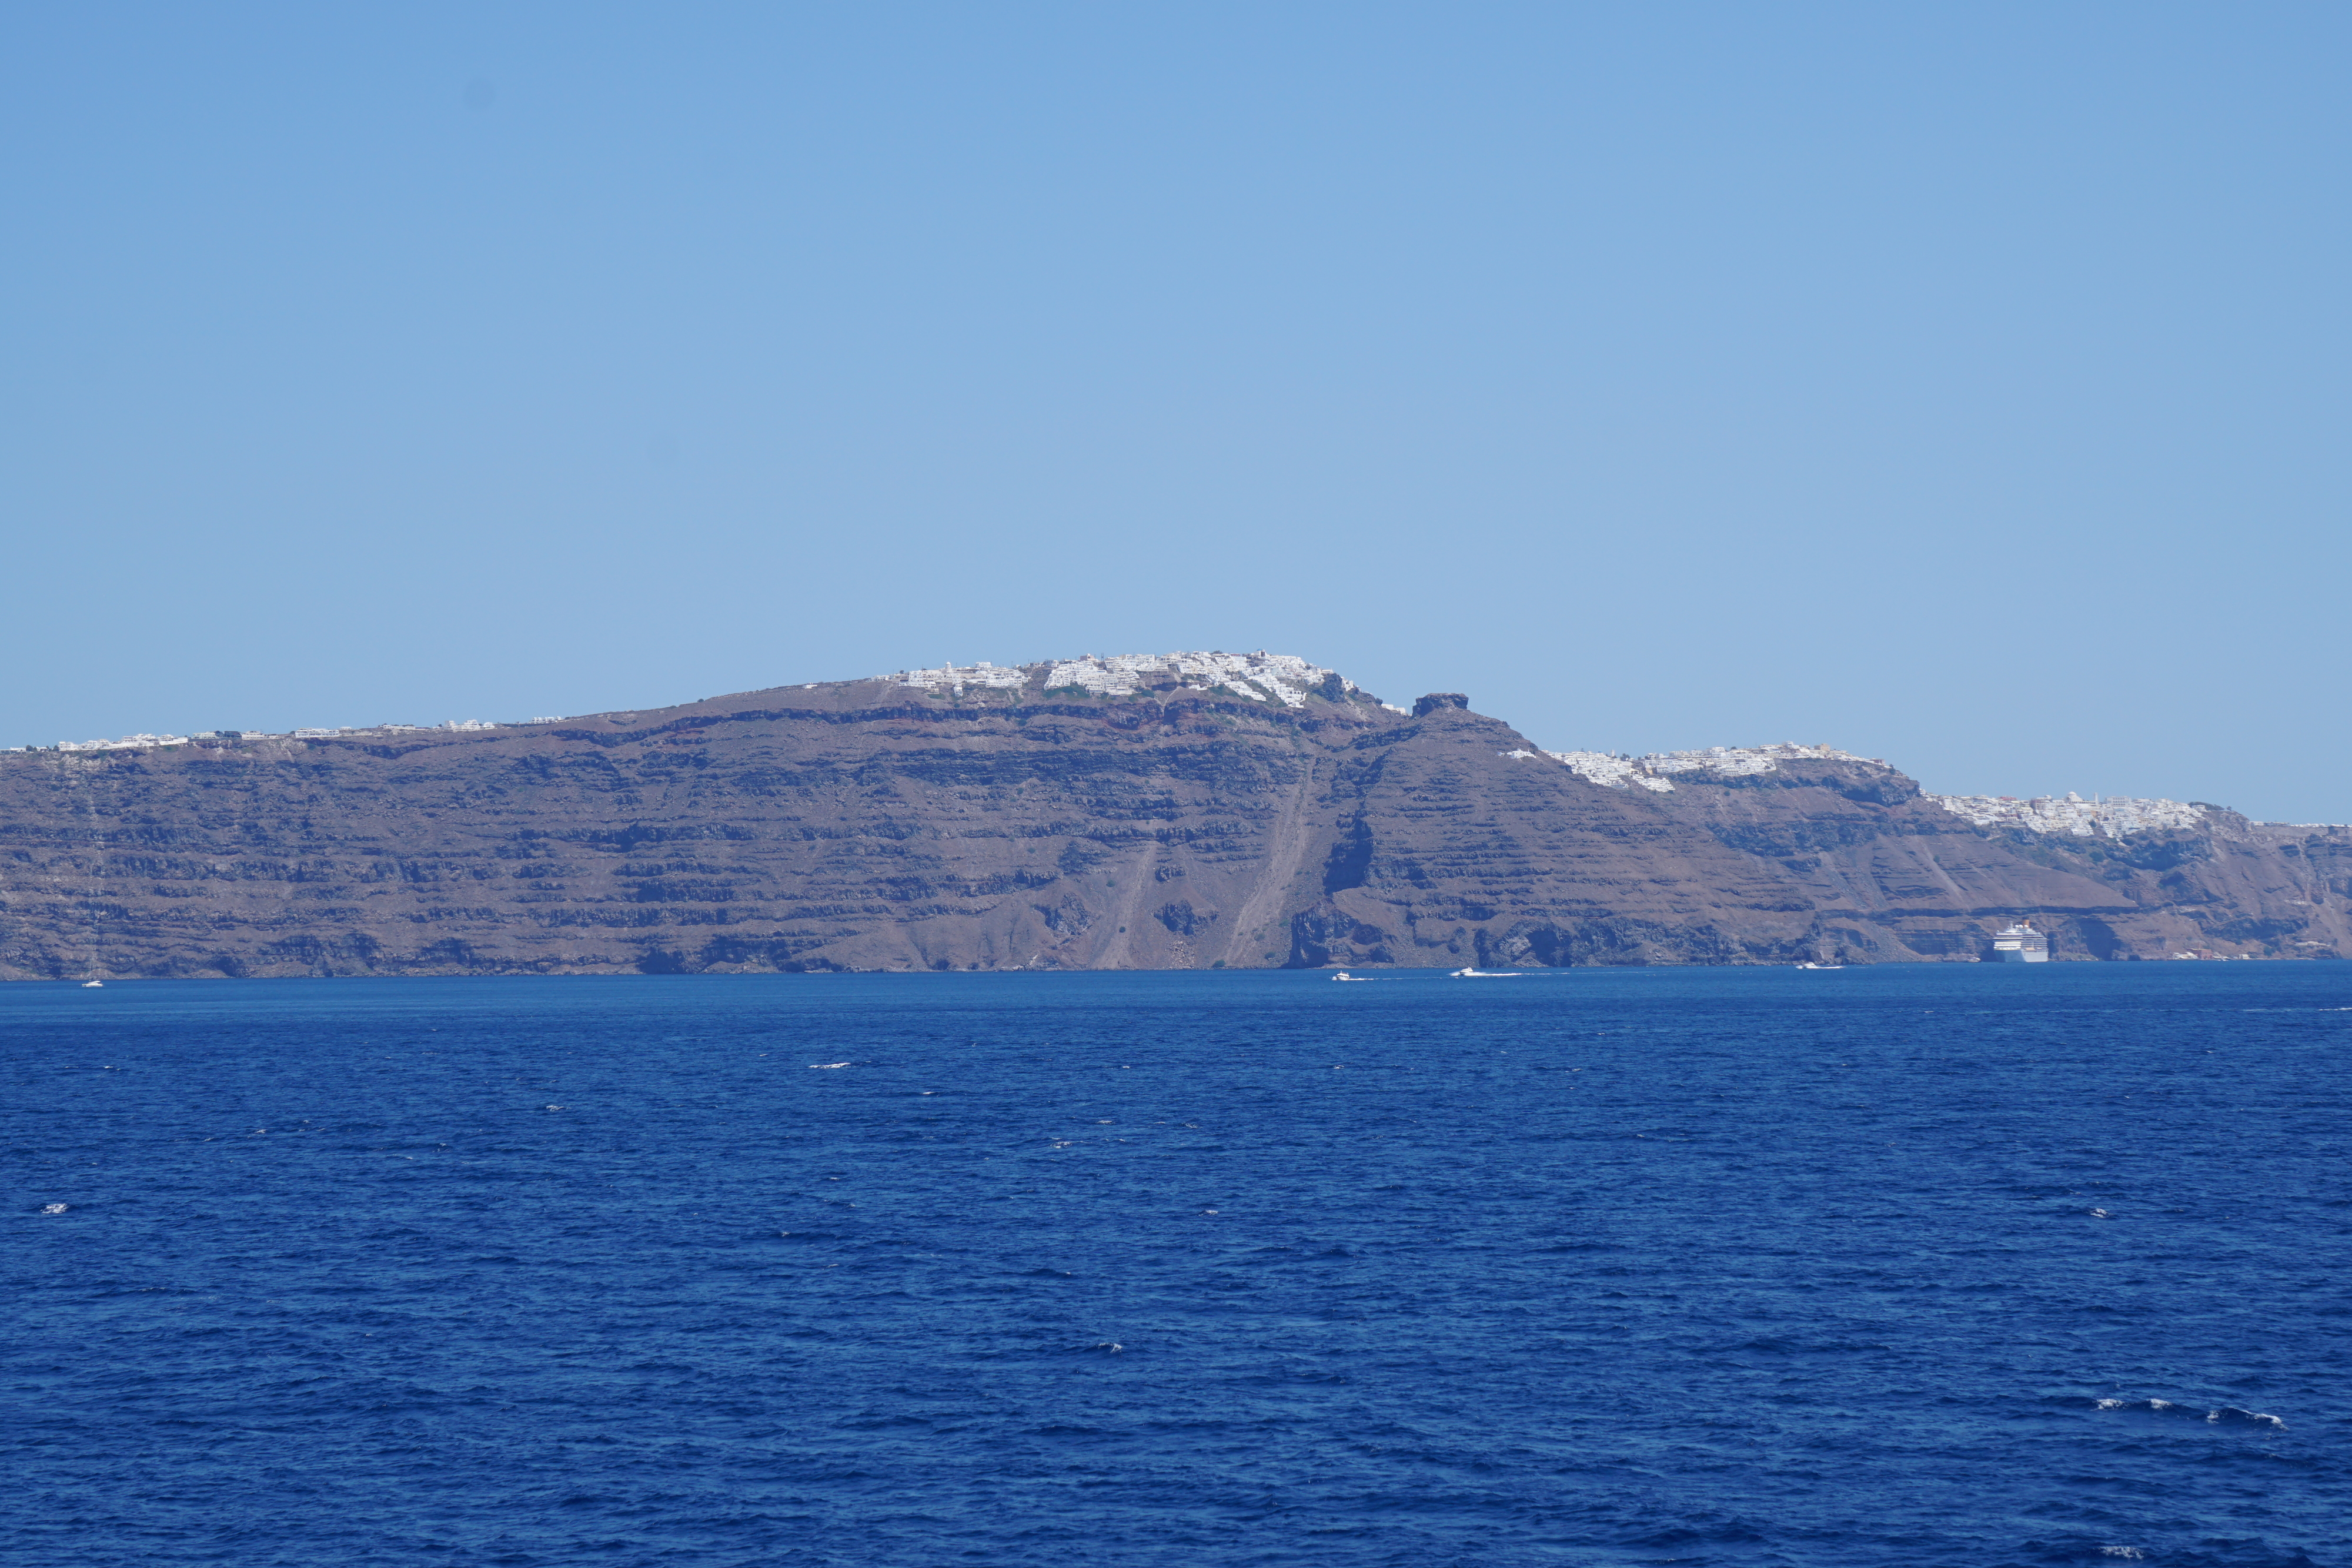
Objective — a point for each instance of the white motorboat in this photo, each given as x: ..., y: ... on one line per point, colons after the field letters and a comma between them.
x: 93, y: 985
x: 1360, y: 980
x: 1484, y: 975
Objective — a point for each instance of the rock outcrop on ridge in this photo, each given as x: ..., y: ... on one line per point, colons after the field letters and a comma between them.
x: 1178, y: 811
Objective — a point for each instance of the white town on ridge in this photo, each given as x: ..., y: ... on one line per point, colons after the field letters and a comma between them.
x: 1288, y: 680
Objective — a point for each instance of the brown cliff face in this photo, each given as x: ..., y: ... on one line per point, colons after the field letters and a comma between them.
x: 857, y: 825
x: 1894, y: 876
x: 872, y: 825
x: 1452, y: 841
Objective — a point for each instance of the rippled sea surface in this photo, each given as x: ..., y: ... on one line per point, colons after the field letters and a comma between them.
x: 1932, y: 1265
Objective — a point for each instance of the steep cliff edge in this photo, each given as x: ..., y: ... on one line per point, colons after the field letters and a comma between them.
x: 1170, y: 811
x: 1905, y: 877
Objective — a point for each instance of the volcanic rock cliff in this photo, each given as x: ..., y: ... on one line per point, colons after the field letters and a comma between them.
x: 1186, y: 811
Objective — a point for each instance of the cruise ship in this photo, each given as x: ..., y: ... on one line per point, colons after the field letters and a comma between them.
x: 2019, y: 942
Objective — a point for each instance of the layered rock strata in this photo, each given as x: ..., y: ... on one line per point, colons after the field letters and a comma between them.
x: 1173, y: 811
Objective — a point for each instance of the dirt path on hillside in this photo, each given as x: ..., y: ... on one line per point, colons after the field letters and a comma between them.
x: 1286, y: 846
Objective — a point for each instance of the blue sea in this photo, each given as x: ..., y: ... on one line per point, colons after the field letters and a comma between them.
x: 1911, y: 1265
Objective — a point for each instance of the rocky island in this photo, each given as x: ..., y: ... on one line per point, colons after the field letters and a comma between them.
x: 1185, y: 810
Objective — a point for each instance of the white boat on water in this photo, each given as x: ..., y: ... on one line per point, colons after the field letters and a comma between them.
x: 93, y: 985
x: 1484, y: 975
x: 2019, y: 942
x: 1809, y: 964
x: 1358, y: 979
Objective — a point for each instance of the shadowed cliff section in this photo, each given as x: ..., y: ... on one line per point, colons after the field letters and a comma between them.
x: 879, y: 825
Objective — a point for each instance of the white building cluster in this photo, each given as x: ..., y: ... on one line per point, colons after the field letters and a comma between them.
x: 1656, y: 771
x: 1608, y: 768
x: 143, y: 741
x: 2110, y: 816
x: 1282, y: 678
x: 1262, y: 677
x: 955, y: 677
x: 126, y: 743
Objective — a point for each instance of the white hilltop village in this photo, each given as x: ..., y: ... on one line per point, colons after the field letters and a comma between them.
x: 1287, y: 680
x: 2107, y: 816
x: 1260, y: 676
x: 143, y: 741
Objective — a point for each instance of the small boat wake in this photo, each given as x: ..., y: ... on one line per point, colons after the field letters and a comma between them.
x: 1484, y: 975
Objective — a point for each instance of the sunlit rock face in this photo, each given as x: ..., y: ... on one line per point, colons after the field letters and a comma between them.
x: 1177, y: 810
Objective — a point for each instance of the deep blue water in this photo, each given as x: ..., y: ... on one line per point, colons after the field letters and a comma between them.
x: 1916, y: 1265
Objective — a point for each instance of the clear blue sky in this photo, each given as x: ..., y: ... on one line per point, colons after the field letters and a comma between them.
x: 1963, y: 384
